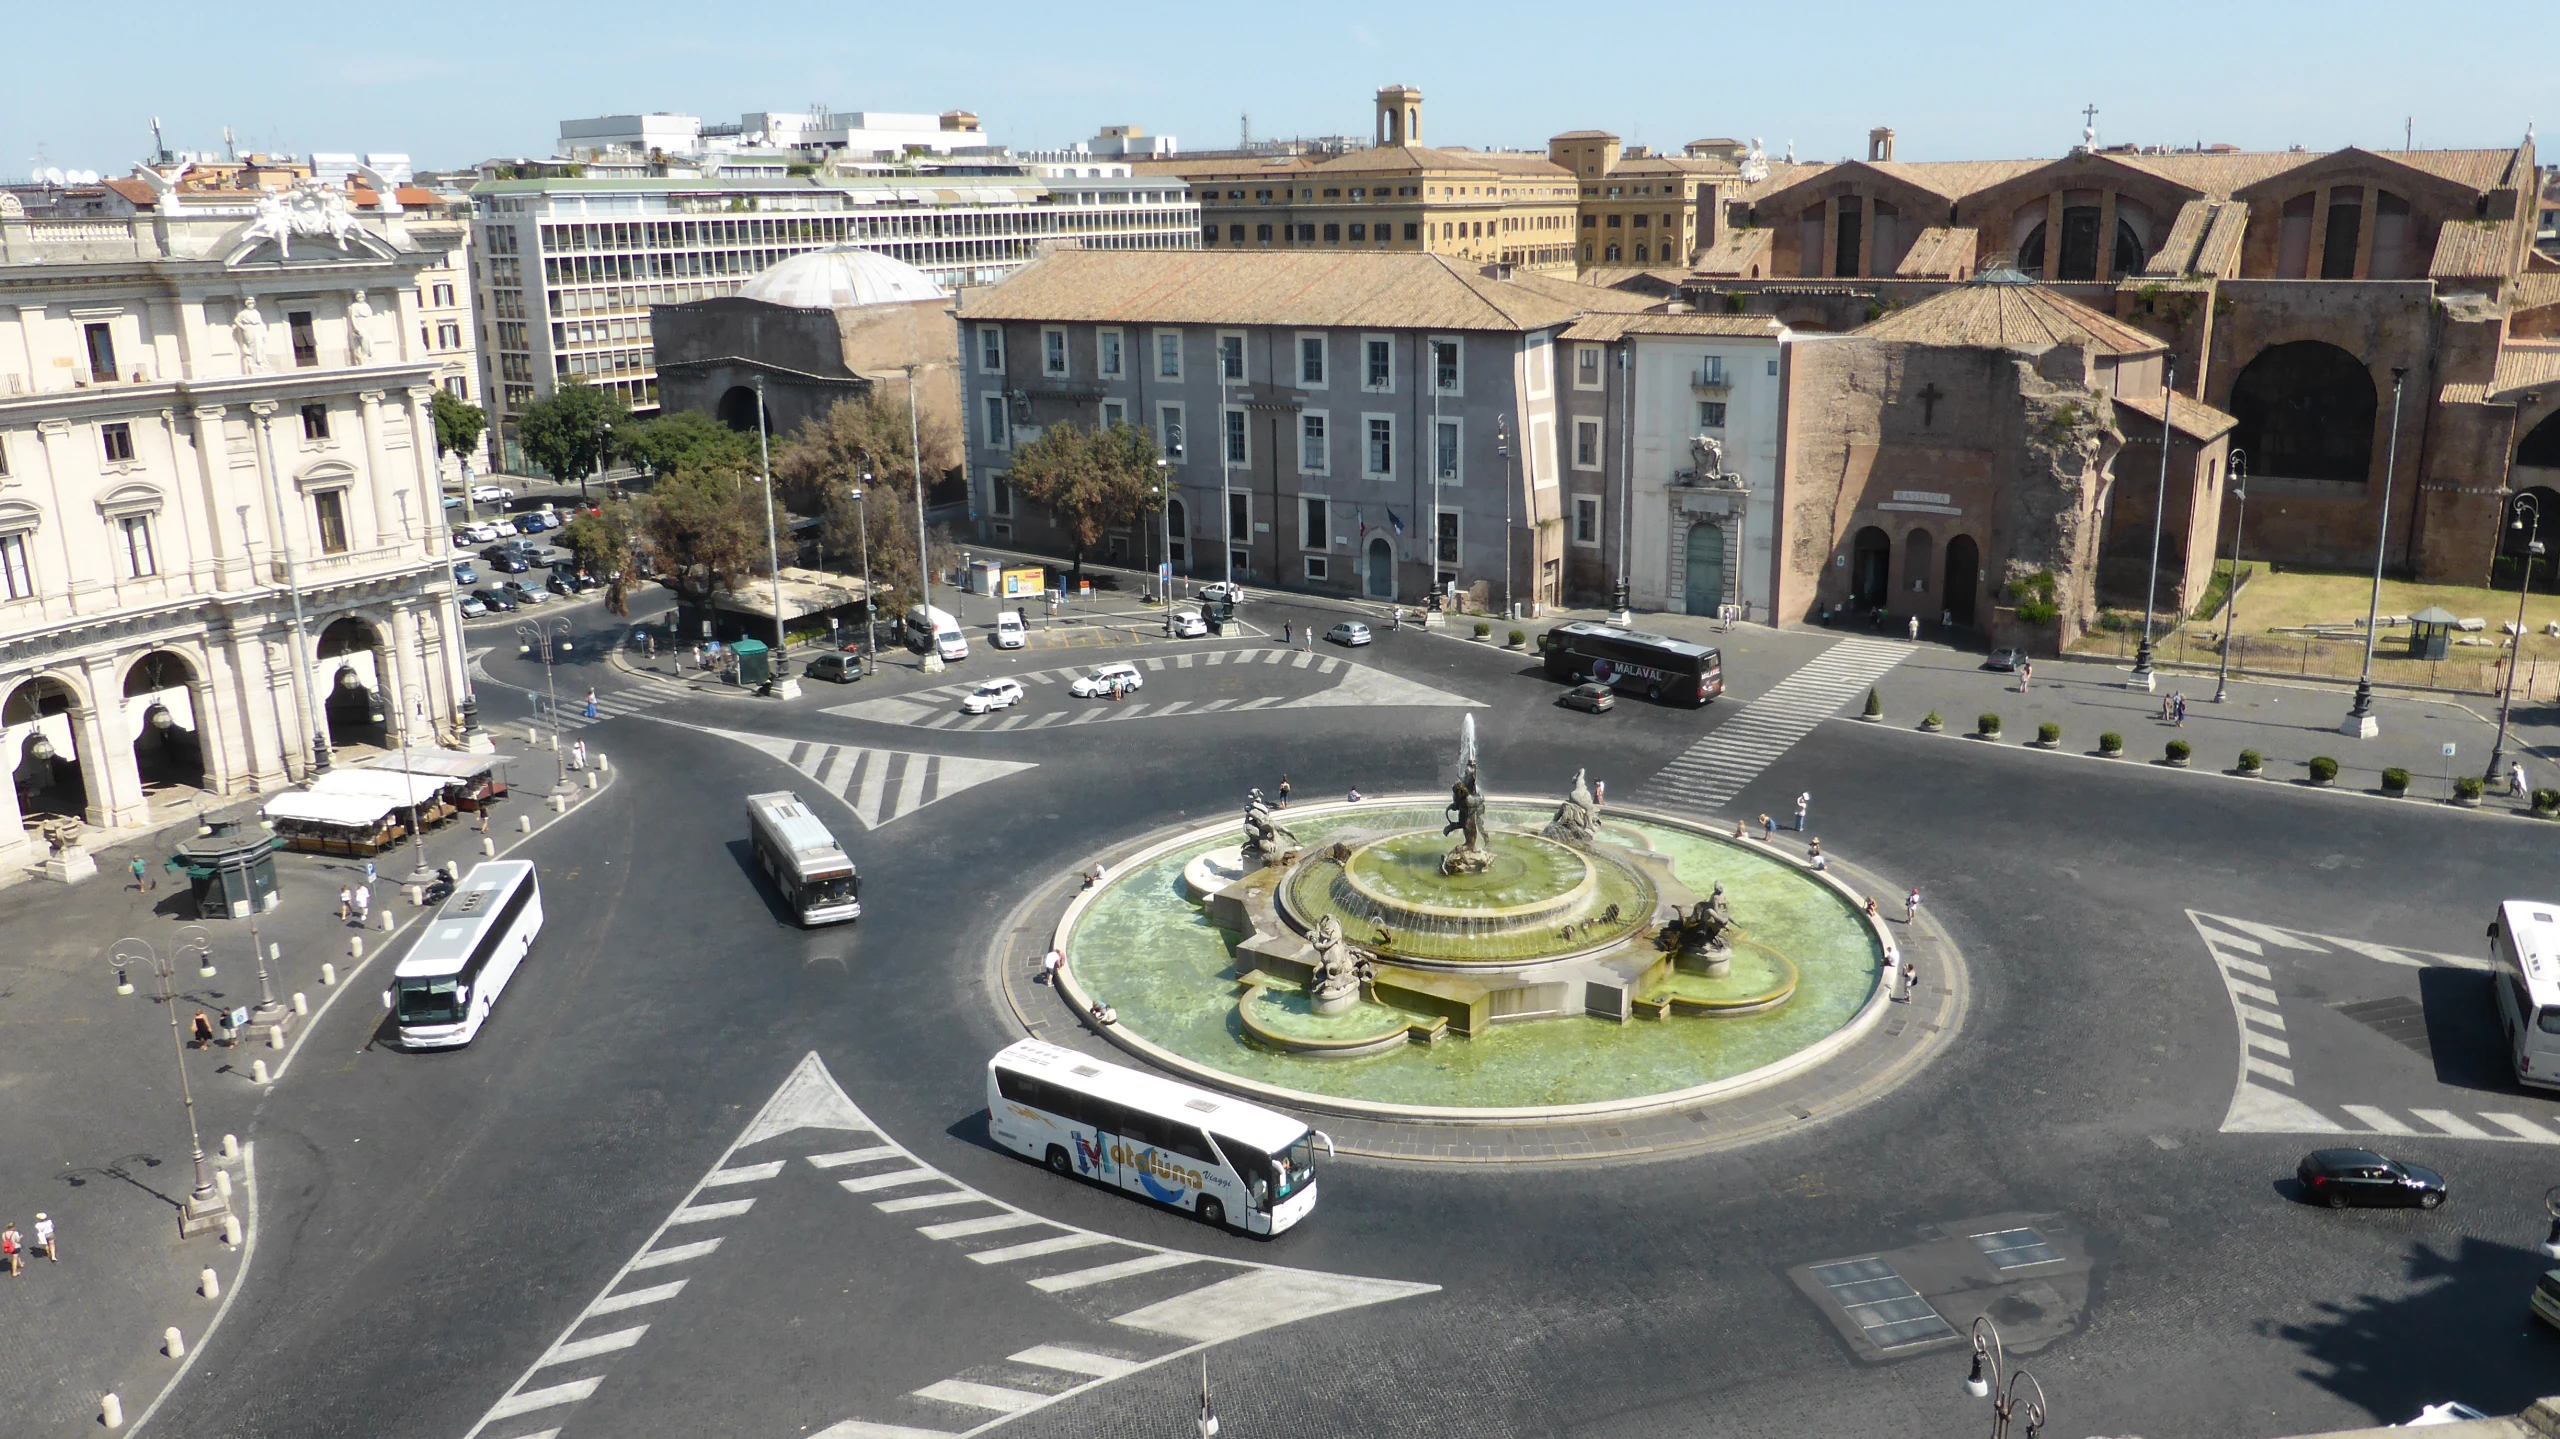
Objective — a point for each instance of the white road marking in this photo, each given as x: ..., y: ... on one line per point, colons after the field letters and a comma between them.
x: 863, y: 778
x: 2255, y: 1015
x: 2271, y: 1045
x: 2250, y: 968
x: 589, y: 1348
x: 843, y: 1157
x: 1732, y: 755
x: 2276, y: 1072
x: 869, y: 1182
x: 678, y: 1254
x: 930, y: 1201
x: 857, y: 1429
x: 704, y: 1213
x: 2246, y: 990
x: 743, y: 1174
x: 2521, y: 1127
x: 1038, y: 1247
x: 963, y: 1228
x: 1258, y: 1300
x: 557, y: 1394
x: 1075, y: 1361
x: 2452, y: 1123
x: 2380, y: 1121
x: 616, y: 1303
x: 984, y: 1396
x: 1125, y: 1269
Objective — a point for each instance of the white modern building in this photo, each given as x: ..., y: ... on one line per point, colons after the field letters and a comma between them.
x: 220, y: 551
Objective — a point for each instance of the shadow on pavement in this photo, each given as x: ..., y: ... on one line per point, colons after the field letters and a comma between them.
x: 2464, y: 1333
x: 2464, y: 1032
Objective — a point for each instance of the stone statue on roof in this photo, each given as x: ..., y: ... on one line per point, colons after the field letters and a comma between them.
x: 359, y: 330
x: 249, y: 332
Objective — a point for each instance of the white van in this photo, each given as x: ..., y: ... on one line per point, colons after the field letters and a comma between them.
x: 1010, y: 631
x: 936, y: 630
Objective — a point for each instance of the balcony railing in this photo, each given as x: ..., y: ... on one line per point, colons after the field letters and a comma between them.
x: 1710, y: 379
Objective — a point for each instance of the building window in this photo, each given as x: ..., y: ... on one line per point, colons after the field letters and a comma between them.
x: 1235, y: 234
x: 1613, y: 254
x: 1233, y: 423
x: 1315, y: 523
x: 990, y: 350
x: 1169, y: 353
x: 1448, y: 539
x: 1711, y: 414
x: 1586, y: 367
x: 1311, y: 361
x: 1000, y: 497
x: 1318, y: 567
x: 1359, y: 233
x: 1378, y: 462
x: 1312, y: 453
x: 1412, y: 232
x: 1262, y: 234
x: 1053, y: 352
x: 1114, y: 413
x: 306, y: 340
x: 1586, y: 444
x: 13, y: 567
x: 454, y: 386
x: 1444, y: 366
x: 1106, y: 345
x: 1208, y: 234
x: 993, y: 408
x: 315, y: 422
x: 1381, y: 372
x: 444, y: 297
x: 1586, y: 520
x: 136, y: 530
x: 1231, y: 359
x: 102, y: 352
x: 117, y: 440
x: 329, y: 508
x: 1169, y: 432
x: 1444, y: 449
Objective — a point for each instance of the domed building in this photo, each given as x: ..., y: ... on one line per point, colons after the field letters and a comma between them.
x: 819, y: 327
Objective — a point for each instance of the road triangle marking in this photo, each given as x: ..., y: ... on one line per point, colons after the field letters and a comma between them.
x: 1363, y: 687
x: 878, y: 785
x: 809, y: 1099
x: 2264, y: 1111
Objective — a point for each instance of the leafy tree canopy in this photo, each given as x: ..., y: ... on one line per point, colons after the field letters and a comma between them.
x: 1090, y: 481
x: 685, y: 440
x: 565, y: 432
x: 458, y: 423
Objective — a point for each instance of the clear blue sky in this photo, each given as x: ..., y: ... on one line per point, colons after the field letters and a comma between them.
x: 454, y: 84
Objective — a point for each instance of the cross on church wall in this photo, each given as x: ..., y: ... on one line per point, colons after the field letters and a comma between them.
x: 1929, y: 396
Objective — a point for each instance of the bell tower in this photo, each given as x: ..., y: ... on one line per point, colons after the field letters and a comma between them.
x: 1399, y: 116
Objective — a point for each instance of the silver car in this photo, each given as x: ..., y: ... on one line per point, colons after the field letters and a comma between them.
x: 1349, y: 632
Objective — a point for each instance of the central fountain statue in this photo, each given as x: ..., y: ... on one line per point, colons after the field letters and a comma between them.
x: 1466, y: 811
x: 1577, y: 820
x: 1334, y: 985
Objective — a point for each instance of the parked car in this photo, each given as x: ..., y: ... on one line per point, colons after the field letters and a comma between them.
x: 561, y: 585
x: 524, y: 594
x: 532, y: 522
x: 993, y: 695
x: 2451, y: 1411
x: 1011, y: 634
x: 1224, y: 592
x: 2006, y: 660
x: 586, y: 582
x: 1349, y: 632
x: 505, y: 527
x: 1599, y: 699
x: 2546, y: 1298
x: 2341, y: 1177
x: 462, y: 540
x: 481, y: 532
x: 1188, y: 625
x: 505, y: 560
x: 464, y: 574
x: 471, y: 607
x: 496, y: 600
x: 1112, y: 680
x: 491, y: 494
x: 833, y: 666
x: 551, y: 556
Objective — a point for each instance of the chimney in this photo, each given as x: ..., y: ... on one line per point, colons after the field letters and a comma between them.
x: 1880, y: 143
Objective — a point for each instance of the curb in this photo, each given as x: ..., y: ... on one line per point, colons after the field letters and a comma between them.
x: 231, y: 1291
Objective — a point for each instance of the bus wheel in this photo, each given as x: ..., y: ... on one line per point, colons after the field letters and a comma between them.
x: 1212, y: 1212
x: 1058, y: 1160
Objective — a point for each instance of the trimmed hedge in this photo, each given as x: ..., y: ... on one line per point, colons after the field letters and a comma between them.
x: 2251, y: 759
x: 2395, y: 778
x: 2111, y: 743
x: 2323, y: 768
x: 2048, y: 733
x: 1987, y: 723
x: 2180, y: 751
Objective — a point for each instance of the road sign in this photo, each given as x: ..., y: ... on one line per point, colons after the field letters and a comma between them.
x: 2448, y: 751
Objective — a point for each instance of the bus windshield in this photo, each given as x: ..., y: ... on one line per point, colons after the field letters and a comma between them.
x: 833, y: 889
x: 1274, y: 1177
x: 427, y: 1001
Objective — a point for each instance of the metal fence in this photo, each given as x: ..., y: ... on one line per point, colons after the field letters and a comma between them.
x: 2464, y: 671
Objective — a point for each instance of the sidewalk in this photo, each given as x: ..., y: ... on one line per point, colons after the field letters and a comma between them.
x: 100, y: 1141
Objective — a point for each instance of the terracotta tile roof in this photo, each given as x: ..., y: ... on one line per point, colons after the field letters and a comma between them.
x: 2474, y: 249
x: 2479, y: 169
x: 1586, y: 135
x: 1313, y: 288
x: 1782, y: 176
x: 138, y: 191
x: 2008, y: 316
x: 1956, y: 178
x: 2195, y: 419
x: 1406, y: 159
x: 2185, y: 233
x: 1583, y: 295
x: 1735, y: 254
x: 2522, y: 367
x: 1674, y: 165
x: 1941, y: 252
x: 1611, y: 327
x: 1618, y: 277
x: 2535, y: 291
x: 2219, y: 255
x: 2217, y: 176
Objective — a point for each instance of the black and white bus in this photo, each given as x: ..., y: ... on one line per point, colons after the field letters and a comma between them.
x: 803, y: 859
x: 1633, y: 662
x: 443, y: 992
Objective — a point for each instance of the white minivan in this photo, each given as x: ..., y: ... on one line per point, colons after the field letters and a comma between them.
x: 1010, y: 631
x: 935, y: 630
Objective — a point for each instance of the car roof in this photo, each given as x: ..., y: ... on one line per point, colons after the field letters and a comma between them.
x: 1116, y: 667
x: 2341, y: 1158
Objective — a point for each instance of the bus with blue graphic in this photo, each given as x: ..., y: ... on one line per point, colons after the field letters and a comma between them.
x: 1233, y: 1164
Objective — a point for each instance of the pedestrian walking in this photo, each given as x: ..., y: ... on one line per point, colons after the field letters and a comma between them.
x: 1804, y: 802
x: 1910, y: 981
x: 578, y: 755
x: 1911, y: 906
x: 591, y: 704
x: 697, y: 656
x: 44, y: 1240
x: 1768, y: 827
x: 13, y: 1249
x: 484, y: 815
x: 1049, y: 966
x: 364, y: 902
x: 1600, y: 794
x: 1288, y: 633
x: 2181, y: 698
x: 1915, y: 629
x: 138, y: 875
x: 203, y: 1030
x: 1946, y: 620
x: 346, y: 902
x: 2026, y: 675
x: 650, y: 641
x: 1284, y: 791
x: 2515, y: 780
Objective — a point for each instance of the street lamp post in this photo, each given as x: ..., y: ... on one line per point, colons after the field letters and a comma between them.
x: 1164, y: 540
x: 2360, y: 721
x: 1621, y: 608
x: 781, y: 681
x: 544, y: 634
x: 2528, y: 518
x: 924, y: 553
x: 870, y: 601
x: 1502, y: 450
x: 2231, y: 597
x: 418, y: 872
x: 205, y: 1208
x: 2142, y: 674
x: 1992, y: 1379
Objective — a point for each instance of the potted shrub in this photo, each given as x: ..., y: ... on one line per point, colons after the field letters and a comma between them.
x: 2111, y: 744
x: 2546, y: 803
x: 2395, y: 781
x: 1484, y: 629
x: 2466, y: 791
x: 1931, y: 724
x: 1987, y: 725
x: 2324, y: 770
x: 2048, y: 735
x: 1875, y: 707
x: 2179, y: 753
x: 2252, y: 763
x: 1519, y: 638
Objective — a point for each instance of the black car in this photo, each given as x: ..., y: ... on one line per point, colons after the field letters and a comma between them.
x: 505, y: 561
x: 2340, y: 1177
x: 585, y: 582
x: 497, y: 600
x: 561, y: 585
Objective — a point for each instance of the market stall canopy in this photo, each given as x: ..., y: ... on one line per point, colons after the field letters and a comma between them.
x: 445, y: 764
x: 389, y: 784
x: 358, y: 811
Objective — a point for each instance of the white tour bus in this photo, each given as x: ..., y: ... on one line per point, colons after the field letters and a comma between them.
x: 935, y: 630
x: 443, y: 992
x: 2525, y: 939
x: 806, y: 863
x: 1229, y: 1162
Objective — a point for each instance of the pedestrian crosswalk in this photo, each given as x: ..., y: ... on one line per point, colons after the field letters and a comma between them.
x: 609, y: 704
x: 1353, y: 684
x: 878, y: 785
x: 1733, y: 754
x: 1176, y: 1303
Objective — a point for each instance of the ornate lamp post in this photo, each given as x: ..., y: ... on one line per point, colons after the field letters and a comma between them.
x: 2528, y: 518
x: 549, y: 636
x: 2142, y: 673
x: 1992, y: 1380
x: 1502, y: 450
x: 870, y: 601
x: 2360, y: 721
x: 205, y: 1208
x: 2231, y: 601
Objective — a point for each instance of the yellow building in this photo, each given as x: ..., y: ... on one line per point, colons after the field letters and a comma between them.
x: 1640, y: 209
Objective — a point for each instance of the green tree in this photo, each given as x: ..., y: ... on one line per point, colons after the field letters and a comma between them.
x: 602, y: 543
x: 707, y: 532
x: 1090, y: 481
x: 458, y: 423
x: 685, y: 440
x: 568, y: 433
x: 820, y: 468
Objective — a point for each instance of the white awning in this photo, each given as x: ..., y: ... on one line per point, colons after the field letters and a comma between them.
x: 449, y: 764
x: 387, y: 784
x: 355, y: 810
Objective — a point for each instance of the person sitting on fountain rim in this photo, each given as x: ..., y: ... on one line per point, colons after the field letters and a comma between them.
x: 1813, y: 855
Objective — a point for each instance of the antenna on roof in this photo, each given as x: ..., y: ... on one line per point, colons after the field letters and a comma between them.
x: 159, y: 146
x: 229, y: 151
x: 2409, y: 133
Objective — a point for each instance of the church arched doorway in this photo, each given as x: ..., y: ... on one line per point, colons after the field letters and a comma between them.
x: 1916, y: 557
x: 737, y: 409
x: 160, y: 709
x: 1381, y: 570
x: 2306, y: 413
x: 1705, y: 588
x: 1964, y: 577
x: 1870, y: 568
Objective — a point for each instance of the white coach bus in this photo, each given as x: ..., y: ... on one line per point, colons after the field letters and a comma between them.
x: 803, y: 858
x: 1229, y: 1162
x: 2525, y: 940
x: 443, y: 991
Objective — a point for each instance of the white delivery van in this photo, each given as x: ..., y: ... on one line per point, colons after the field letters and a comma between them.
x: 1011, y: 634
x: 936, y: 631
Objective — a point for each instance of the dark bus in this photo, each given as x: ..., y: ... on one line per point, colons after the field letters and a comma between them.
x: 1633, y: 662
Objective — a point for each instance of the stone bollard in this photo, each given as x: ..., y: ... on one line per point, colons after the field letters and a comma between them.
x: 222, y: 1183
x: 328, y: 974
x: 601, y: 762
x: 209, y: 1284
x: 230, y: 1147
x: 385, y: 925
x: 559, y: 804
x: 301, y: 1002
x: 524, y: 824
x: 111, y: 1412
x: 488, y: 847
x: 173, y: 1343
x: 275, y: 1036
x: 257, y: 1071
x: 591, y: 779
x: 231, y: 1230
x: 417, y: 895
x: 453, y: 870
x: 355, y: 946
x: 555, y: 742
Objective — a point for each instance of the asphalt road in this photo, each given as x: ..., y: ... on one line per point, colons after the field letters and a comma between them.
x: 436, y: 1222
